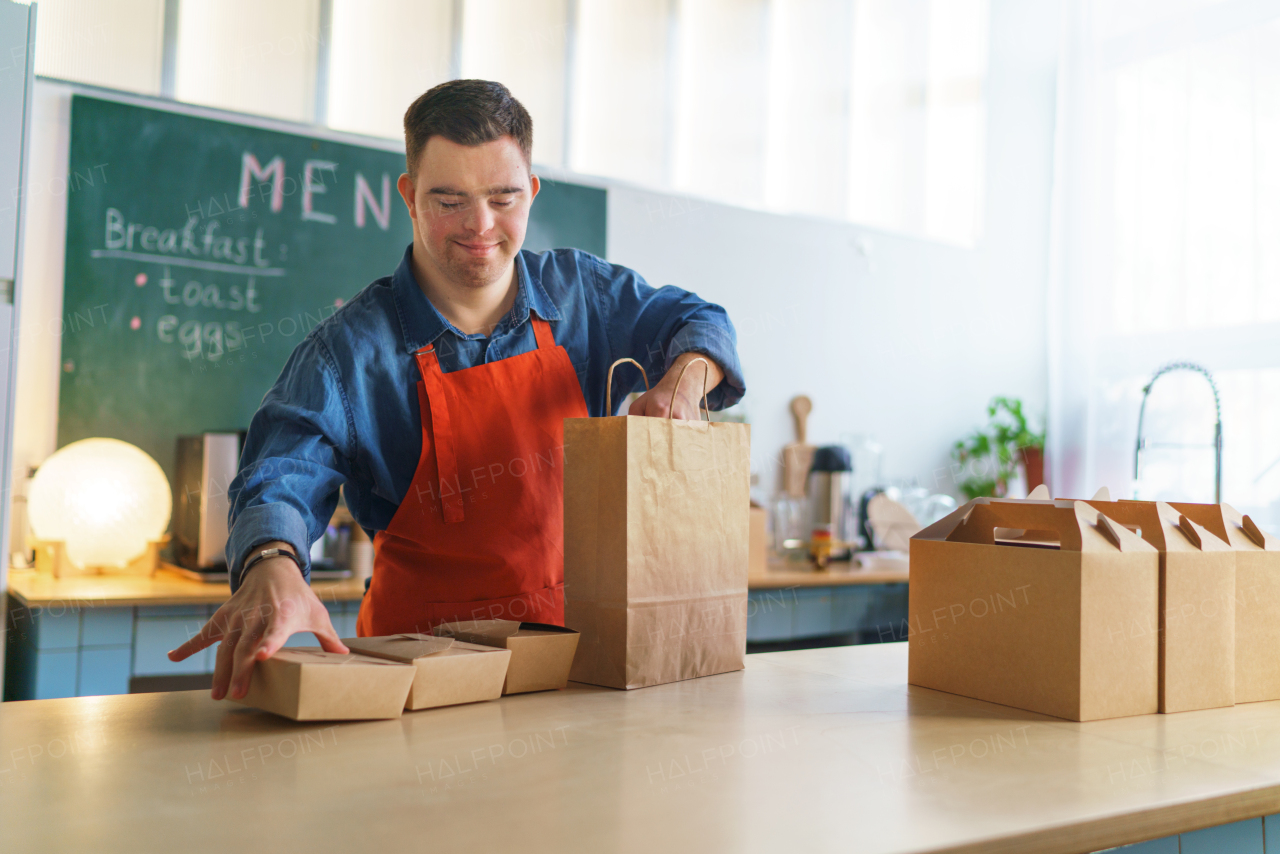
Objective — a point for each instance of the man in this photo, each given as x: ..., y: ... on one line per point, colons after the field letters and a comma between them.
x: 437, y: 397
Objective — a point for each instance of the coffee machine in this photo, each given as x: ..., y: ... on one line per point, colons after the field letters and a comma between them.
x: 831, y: 511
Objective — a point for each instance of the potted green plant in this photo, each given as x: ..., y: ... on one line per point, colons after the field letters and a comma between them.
x: 991, y: 456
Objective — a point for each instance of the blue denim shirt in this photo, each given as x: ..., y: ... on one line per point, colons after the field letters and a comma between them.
x: 344, y: 411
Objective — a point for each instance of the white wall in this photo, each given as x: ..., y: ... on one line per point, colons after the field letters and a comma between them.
x: 900, y: 338
x: 40, y: 326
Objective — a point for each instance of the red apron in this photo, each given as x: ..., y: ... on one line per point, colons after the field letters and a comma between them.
x: 480, y: 533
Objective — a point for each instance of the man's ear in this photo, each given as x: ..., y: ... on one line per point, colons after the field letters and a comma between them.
x: 408, y: 192
x: 534, y: 186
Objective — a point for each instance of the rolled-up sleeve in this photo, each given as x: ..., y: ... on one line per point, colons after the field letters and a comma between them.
x: 655, y: 325
x: 296, y: 456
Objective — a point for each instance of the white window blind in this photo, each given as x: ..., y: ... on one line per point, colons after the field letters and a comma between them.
x: 382, y: 57
x: 915, y: 159
x: 522, y: 44
x: 249, y: 56
x: 1169, y: 206
x: 622, y: 123
x: 118, y: 45
x: 722, y: 99
x: 865, y: 110
x: 808, y: 136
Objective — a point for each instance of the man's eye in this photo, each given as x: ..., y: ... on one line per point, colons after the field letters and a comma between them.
x: 451, y: 205
x: 499, y: 203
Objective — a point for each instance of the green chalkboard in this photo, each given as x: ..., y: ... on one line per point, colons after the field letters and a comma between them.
x: 200, y: 252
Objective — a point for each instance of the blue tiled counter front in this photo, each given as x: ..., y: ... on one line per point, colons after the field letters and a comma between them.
x: 85, y: 649
x: 874, y: 612
x: 93, y: 636
x: 1255, y: 836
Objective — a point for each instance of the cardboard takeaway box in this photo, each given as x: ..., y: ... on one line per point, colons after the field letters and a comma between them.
x: 449, y: 672
x: 1030, y: 604
x: 541, y: 654
x: 308, y: 684
x: 1196, y: 624
x: 1257, y: 597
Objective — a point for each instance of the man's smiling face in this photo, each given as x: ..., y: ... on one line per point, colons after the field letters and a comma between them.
x: 470, y: 208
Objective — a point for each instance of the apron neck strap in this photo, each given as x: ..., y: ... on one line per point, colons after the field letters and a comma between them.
x: 542, y: 331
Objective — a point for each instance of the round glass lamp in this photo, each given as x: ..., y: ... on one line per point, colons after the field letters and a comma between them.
x: 105, y: 498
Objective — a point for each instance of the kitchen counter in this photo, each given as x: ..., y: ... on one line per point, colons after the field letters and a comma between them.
x: 815, y: 750
x: 865, y: 569
x: 111, y: 634
x: 166, y: 587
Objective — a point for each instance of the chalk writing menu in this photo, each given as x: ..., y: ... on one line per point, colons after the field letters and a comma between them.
x: 199, y: 253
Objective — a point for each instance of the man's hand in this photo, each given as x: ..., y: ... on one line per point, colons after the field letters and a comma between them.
x: 656, y: 400
x: 274, y: 601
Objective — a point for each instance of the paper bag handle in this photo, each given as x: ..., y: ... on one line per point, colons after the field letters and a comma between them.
x: 608, y: 385
x: 671, y: 405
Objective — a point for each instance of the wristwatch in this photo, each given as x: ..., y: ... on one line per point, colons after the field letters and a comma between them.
x: 266, y: 553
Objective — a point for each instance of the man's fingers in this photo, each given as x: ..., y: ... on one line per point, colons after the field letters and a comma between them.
x: 222, y: 667
x: 329, y: 640
x: 242, y: 661
x: 209, y: 634
x: 652, y: 403
x: 272, y: 642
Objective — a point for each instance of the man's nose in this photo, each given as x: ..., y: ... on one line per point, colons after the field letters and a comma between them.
x: 480, y: 218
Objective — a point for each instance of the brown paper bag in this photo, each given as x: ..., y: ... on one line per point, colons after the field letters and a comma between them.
x: 656, y: 533
x: 1040, y: 605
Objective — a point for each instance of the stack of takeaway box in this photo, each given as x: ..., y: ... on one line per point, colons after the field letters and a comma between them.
x: 1096, y: 609
x: 465, y: 662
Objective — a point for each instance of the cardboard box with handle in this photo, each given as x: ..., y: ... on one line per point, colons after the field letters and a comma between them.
x: 1034, y: 604
x: 1257, y: 607
x: 656, y: 546
x: 1196, y: 623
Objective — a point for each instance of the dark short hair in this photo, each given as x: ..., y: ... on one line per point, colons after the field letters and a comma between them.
x: 468, y: 112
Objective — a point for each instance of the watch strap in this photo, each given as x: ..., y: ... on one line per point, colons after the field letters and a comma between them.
x: 268, y: 553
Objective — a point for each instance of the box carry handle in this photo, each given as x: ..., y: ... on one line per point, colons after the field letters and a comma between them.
x: 1259, y: 536
x: 608, y: 385
x: 979, y: 526
x: 706, y: 371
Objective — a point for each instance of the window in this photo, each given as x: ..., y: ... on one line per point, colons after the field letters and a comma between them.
x: 1171, y: 204
x: 915, y: 159
x: 379, y: 64
x: 523, y: 44
x: 249, y: 56
x: 871, y: 111
x: 622, y: 81
x: 721, y: 99
x: 807, y: 148
x: 118, y: 44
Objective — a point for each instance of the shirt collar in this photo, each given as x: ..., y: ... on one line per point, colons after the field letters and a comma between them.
x: 420, y: 322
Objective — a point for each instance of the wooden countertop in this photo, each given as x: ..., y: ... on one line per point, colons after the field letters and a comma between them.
x: 817, y: 750
x: 169, y: 588
x: 788, y: 573
x: 164, y: 588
